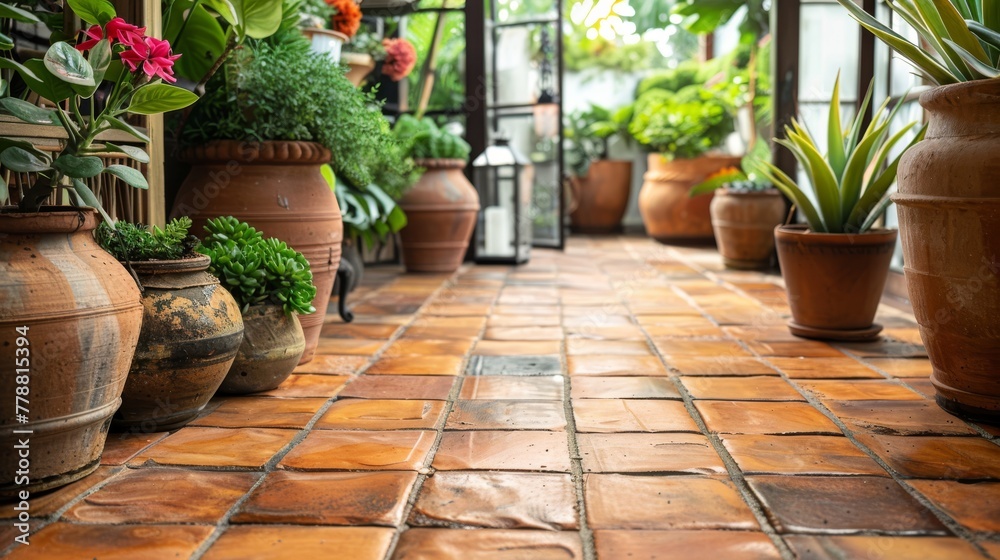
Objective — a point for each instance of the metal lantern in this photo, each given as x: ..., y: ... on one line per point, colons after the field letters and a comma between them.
x: 504, y: 179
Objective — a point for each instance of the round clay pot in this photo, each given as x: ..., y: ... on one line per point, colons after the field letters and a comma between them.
x: 191, y: 330
x: 949, y: 219
x: 276, y: 187
x: 360, y: 64
x: 668, y: 212
x: 744, y: 223
x: 79, y: 315
x: 441, y: 210
x: 271, y: 348
x: 834, y: 281
x: 601, y: 197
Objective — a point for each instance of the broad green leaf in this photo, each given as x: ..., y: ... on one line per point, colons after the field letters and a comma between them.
x: 397, y: 219
x: 100, y: 60
x: 822, y: 179
x: 790, y: 189
x: 876, y: 190
x: 119, y: 124
x: 990, y: 16
x: 88, y: 197
x: 938, y: 32
x: 875, y: 213
x: 854, y: 174
x: 835, y: 133
x: 977, y: 65
x: 386, y: 201
x: 261, y: 18
x: 958, y: 31
x: 6, y: 42
x: 4, y: 192
x: 22, y: 161
x: 134, y: 152
x: 8, y: 11
x: 93, y: 11
x: 20, y: 68
x: 131, y: 176
x: 225, y: 8
x: 202, y: 42
x: 373, y: 209
x: 854, y: 134
x: 155, y: 98
x: 67, y: 64
x: 44, y: 83
x: 984, y: 33
x: 963, y: 8
x: 329, y: 175
x: 28, y: 112
x: 884, y: 153
x: 717, y: 180
x: 79, y: 167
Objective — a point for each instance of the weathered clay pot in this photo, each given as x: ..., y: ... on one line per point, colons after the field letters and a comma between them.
x: 744, y: 223
x: 601, y: 197
x: 277, y: 188
x: 191, y: 330
x: 834, y: 281
x: 669, y: 213
x: 70, y: 318
x: 949, y: 219
x: 360, y: 65
x: 271, y: 348
x: 441, y: 211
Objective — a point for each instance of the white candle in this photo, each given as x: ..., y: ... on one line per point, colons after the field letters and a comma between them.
x: 498, y: 231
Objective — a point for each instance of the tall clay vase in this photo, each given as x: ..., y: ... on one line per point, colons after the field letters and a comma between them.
x: 668, y: 212
x: 744, y: 223
x: 601, y: 196
x: 191, y: 330
x: 441, y: 210
x: 276, y: 187
x: 70, y: 318
x: 834, y: 281
x: 271, y: 348
x: 949, y: 219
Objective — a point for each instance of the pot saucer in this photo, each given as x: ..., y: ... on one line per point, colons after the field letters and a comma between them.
x: 856, y: 335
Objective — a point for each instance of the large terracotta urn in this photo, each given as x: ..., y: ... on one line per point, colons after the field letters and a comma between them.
x: 70, y: 317
x: 600, y: 197
x: 276, y: 187
x: 441, y: 210
x: 744, y: 223
x: 668, y: 212
x: 949, y: 220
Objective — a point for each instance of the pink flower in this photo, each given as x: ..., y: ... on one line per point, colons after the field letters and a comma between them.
x: 95, y: 34
x: 153, y: 55
x: 400, y: 58
x: 121, y: 31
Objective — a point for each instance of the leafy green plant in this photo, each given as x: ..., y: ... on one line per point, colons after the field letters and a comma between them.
x: 673, y: 80
x: 423, y: 139
x: 965, y: 36
x: 749, y: 177
x: 685, y: 124
x: 257, y: 270
x: 589, y: 132
x: 850, y: 183
x: 136, y: 242
x: 370, y: 214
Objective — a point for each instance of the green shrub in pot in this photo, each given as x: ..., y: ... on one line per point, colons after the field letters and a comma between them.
x: 600, y: 186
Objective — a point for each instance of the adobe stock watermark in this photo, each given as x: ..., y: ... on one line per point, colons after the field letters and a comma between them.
x: 962, y: 295
x: 21, y: 448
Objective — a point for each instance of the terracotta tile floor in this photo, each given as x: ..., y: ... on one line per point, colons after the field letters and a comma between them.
x: 620, y: 400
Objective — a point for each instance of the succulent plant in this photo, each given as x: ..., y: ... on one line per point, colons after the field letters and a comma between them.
x: 136, y: 242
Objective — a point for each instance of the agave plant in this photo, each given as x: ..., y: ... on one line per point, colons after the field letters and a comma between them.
x: 963, y: 33
x: 850, y: 183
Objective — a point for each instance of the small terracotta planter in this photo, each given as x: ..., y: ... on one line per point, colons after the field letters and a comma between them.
x: 744, y: 223
x: 272, y: 346
x: 601, y: 197
x: 79, y: 315
x: 668, y: 212
x: 191, y: 330
x: 834, y: 281
x: 360, y: 65
x: 441, y: 210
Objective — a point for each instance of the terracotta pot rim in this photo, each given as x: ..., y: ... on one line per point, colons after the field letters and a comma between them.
x: 802, y: 234
x: 703, y: 157
x: 975, y: 92
x: 266, y: 152
x: 442, y: 163
x: 262, y: 309
x: 50, y: 219
x: 766, y: 192
x: 193, y: 263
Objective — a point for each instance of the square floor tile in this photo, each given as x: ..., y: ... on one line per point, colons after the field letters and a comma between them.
x: 719, y: 365
x: 437, y: 333
x: 621, y: 415
x: 760, y: 388
x: 514, y: 365
x: 306, y: 385
x: 623, y: 388
x: 593, y: 332
x: 616, y: 501
x: 649, y: 453
x: 260, y: 412
x: 358, y: 330
x: 507, y: 321
x: 373, y: 414
x: 137, y: 496
x: 884, y: 348
x: 507, y: 415
x: 418, y: 387
x: 497, y: 501
x: 615, y: 365
x: 824, y: 368
x: 863, y: 546
x: 348, y: 347
x: 901, y: 418
x: 327, y: 498
x: 748, y: 417
x: 419, y: 347
x: 795, y: 349
x: 863, y: 390
x: 757, y: 454
x: 682, y: 348
x: 43, y: 504
x: 511, y: 451
x: 336, y: 451
x: 294, y: 543
x: 60, y: 541
x: 517, y: 348
x: 678, y: 545
x: 578, y: 347
x: 496, y: 387
x: 119, y: 448
x: 333, y: 365
x: 902, y: 367
x: 837, y: 505
x: 951, y: 458
x: 483, y: 544
x: 974, y: 505
x: 417, y: 365
x: 523, y: 333
x: 217, y: 447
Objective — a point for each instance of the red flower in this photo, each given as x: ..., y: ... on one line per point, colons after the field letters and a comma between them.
x: 121, y: 31
x: 153, y: 55
x: 400, y: 58
x: 347, y: 20
x: 95, y: 34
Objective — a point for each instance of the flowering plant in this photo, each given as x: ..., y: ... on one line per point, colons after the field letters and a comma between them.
x: 347, y: 20
x: 400, y: 58
x: 112, y: 57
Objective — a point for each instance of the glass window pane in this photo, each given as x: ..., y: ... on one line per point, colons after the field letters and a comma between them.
x: 828, y: 42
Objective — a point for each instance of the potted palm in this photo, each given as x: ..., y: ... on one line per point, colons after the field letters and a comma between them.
x: 600, y: 186
x: 191, y: 326
x: 949, y: 199
x: 73, y: 310
x: 271, y: 284
x: 835, y: 265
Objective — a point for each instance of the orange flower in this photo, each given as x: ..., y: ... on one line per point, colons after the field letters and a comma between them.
x: 400, y: 57
x: 347, y: 20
